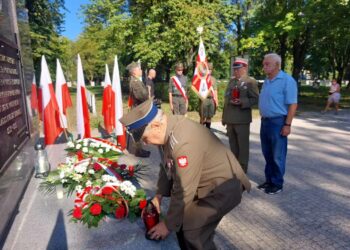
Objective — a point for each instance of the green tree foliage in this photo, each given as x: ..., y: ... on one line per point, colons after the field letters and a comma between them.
x: 45, y: 20
x: 160, y: 33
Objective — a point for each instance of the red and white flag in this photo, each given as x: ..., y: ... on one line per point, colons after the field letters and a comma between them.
x: 50, y: 111
x: 116, y: 86
x: 201, y: 83
x: 34, y: 95
x: 62, y: 95
x: 83, y: 117
x: 108, y: 104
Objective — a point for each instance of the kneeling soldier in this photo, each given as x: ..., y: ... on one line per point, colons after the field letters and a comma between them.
x: 202, y: 177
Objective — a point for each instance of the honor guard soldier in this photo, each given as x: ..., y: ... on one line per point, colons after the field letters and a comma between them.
x: 202, y: 177
x: 241, y: 94
x: 138, y: 94
x: 178, y: 99
x: 208, y: 106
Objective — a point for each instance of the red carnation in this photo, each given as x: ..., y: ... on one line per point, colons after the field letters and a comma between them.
x: 97, y: 166
x: 122, y: 166
x: 131, y: 170
x: 114, y: 165
x: 95, y: 209
x: 142, y: 204
x: 77, y: 213
x: 120, y: 212
x: 107, y: 190
x: 80, y: 155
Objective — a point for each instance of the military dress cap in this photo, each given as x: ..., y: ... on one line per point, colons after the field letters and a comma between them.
x: 132, y: 66
x: 179, y: 66
x: 139, y: 117
x: 239, y: 63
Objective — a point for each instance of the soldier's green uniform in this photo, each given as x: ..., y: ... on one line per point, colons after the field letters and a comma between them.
x: 238, y: 117
x: 200, y: 174
x: 202, y: 178
x: 179, y: 102
x: 207, y: 108
x: 139, y: 94
x: 138, y: 91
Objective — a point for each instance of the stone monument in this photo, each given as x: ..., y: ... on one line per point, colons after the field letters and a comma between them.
x: 16, y: 133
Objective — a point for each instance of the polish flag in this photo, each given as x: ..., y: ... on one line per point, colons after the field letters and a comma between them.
x: 50, y: 111
x: 34, y: 95
x: 83, y: 118
x: 62, y: 95
x: 108, y: 104
x: 201, y: 83
x: 116, y: 86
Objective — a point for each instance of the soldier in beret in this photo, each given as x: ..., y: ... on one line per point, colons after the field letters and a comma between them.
x: 202, y: 177
x: 178, y: 99
x: 138, y: 94
x: 241, y: 94
x: 208, y: 106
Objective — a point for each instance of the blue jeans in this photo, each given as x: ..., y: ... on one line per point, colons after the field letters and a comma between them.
x: 274, y: 149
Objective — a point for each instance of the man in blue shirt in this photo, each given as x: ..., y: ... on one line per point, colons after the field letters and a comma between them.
x: 277, y: 105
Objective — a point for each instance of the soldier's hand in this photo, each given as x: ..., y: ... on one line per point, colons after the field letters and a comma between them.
x: 159, y: 231
x: 235, y: 102
x: 156, y: 201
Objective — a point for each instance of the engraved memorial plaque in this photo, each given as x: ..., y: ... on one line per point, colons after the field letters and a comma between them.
x: 13, y: 125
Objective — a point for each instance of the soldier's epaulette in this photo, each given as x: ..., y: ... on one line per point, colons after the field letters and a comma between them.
x: 172, y: 141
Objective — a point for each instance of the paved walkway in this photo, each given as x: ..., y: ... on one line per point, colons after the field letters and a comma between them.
x: 313, y: 211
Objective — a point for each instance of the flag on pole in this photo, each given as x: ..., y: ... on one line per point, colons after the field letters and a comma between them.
x: 50, y: 111
x: 83, y: 117
x: 34, y: 95
x: 108, y: 104
x: 116, y: 86
x: 62, y: 95
x: 201, y: 83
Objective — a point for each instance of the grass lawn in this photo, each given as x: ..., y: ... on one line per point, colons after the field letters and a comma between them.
x: 310, y: 99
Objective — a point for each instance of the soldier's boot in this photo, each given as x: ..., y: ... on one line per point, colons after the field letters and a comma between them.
x: 142, y: 153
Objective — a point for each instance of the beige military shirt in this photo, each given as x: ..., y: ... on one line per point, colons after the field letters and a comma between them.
x: 195, y: 162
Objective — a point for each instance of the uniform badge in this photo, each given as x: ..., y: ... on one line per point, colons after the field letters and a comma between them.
x: 182, y: 161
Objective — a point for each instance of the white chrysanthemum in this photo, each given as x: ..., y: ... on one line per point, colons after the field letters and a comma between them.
x: 85, y: 149
x: 100, y: 151
x: 70, y: 160
x: 93, y: 145
x: 78, y: 146
x: 64, y: 181
x: 88, y: 183
x: 77, y: 177
x: 108, y: 149
x: 91, y: 171
x: 81, y: 168
x: 128, y: 188
x: 62, y: 175
x: 79, y: 188
x: 109, y: 178
x: 70, y: 144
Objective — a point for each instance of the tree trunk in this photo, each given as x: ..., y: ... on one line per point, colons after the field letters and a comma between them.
x: 283, y: 49
x: 300, y: 45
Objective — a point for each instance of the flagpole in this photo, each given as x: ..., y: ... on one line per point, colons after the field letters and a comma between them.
x: 201, y: 120
x: 64, y: 129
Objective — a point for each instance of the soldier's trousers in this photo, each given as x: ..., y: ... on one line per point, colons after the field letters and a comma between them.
x: 204, y: 214
x: 179, y: 105
x: 238, y: 135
